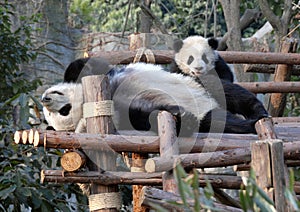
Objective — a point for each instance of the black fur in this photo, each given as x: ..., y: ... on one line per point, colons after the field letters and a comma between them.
x: 238, y: 100
x: 65, y: 110
x: 84, y: 67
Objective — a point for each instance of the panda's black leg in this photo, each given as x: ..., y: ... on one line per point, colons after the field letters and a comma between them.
x: 240, y: 100
x: 219, y: 120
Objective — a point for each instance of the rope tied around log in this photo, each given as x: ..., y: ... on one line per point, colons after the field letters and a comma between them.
x: 101, y: 108
x: 144, y: 51
x: 105, y: 201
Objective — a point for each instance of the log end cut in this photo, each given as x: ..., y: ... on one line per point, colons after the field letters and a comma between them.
x: 72, y: 161
x: 150, y: 165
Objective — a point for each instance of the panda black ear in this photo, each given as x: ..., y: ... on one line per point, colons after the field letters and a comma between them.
x: 177, y: 45
x: 213, y: 43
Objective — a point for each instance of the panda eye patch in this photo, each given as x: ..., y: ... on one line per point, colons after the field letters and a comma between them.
x: 204, y: 58
x: 57, y: 92
x: 190, y: 60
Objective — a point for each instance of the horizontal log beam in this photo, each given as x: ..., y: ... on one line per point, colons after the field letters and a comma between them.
x: 271, y: 87
x: 215, y: 159
x: 286, y: 129
x: 106, y: 178
x: 141, y: 144
x: 166, y: 56
x: 133, y: 178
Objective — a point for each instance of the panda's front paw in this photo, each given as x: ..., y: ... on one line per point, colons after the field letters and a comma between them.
x: 187, y: 124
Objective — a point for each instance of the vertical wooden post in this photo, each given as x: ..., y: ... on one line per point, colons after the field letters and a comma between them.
x: 282, y: 73
x: 168, y: 146
x: 138, y: 165
x: 267, y: 162
x: 102, y: 198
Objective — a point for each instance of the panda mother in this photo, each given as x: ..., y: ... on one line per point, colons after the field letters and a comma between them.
x: 140, y: 90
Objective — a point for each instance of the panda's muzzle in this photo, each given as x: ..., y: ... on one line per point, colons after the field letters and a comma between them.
x: 197, y: 71
x: 46, y: 99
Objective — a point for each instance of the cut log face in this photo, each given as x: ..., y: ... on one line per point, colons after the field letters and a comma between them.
x: 72, y: 161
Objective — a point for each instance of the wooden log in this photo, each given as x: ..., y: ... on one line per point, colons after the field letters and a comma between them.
x: 106, y: 178
x: 159, y: 197
x: 126, y: 57
x: 271, y: 87
x: 24, y: 137
x: 282, y: 73
x: 261, y: 165
x: 265, y: 129
x: 278, y: 174
x: 95, y: 89
x: 260, y: 57
x: 168, y: 147
x: 17, y: 137
x: 70, y: 140
x: 31, y: 136
x: 129, y: 178
x: 201, y: 160
x: 72, y: 160
x: 246, y: 167
x: 225, y: 198
x: 214, y: 159
x: 166, y: 57
x: 268, y: 69
x: 138, y: 166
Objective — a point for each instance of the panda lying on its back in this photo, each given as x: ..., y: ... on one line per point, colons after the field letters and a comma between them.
x: 141, y: 89
x: 196, y: 57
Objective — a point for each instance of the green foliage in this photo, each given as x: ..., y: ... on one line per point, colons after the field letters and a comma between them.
x: 193, y: 198
x: 99, y: 15
x: 20, y: 166
x: 254, y: 198
x: 181, y: 17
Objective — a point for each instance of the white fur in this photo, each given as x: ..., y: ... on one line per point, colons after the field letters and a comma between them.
x: 196, y: 46
x: 139, y: 85
x: 155, y: 86
x: 72, y: 93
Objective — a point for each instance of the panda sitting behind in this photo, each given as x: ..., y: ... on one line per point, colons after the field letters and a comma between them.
x: 197, y: 57
x: 141, y: 89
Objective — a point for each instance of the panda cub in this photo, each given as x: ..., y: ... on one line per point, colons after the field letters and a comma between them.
x: 196, y: 57
x: 140, y: 89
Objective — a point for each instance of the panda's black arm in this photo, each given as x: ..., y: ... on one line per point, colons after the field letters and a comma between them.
x: 238, y: 100
x: 219, y: 120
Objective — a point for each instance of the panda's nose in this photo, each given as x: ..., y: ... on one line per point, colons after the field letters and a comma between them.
x: 199, y: 69
x: 46, y: 99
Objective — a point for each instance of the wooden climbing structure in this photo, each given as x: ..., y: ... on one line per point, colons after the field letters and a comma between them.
x: 275, y: 147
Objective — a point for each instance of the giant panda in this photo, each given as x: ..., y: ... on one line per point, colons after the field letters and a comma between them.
x: 196, y: 57
x: 140, y: 89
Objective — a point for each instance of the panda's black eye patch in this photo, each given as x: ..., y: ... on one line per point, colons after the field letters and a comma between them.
x: 190, y: 60
x: 204, y: 58
x: 65, y: 110
x: 57, y: 92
